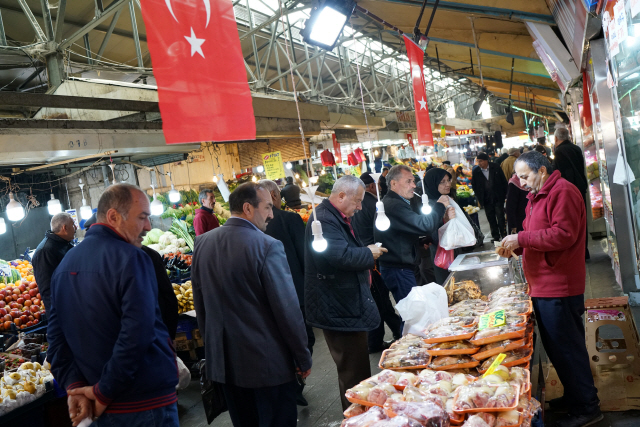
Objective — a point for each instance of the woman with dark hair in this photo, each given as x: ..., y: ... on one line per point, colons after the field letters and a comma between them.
x: 437, y: 183
x: 540, y: 149
x: 516, y: 205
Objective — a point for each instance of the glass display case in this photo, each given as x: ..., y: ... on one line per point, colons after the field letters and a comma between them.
x: 486, y: 269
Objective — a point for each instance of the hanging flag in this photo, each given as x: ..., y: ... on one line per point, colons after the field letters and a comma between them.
x: 410, y: 139
x: 336, y: 148
x: 199, y: 68
x: 416, y: 61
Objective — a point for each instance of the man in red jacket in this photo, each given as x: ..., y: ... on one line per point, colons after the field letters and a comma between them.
x: 205, y: 220
x: 552, y: 244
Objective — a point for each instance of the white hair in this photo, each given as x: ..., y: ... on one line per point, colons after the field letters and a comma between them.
x: 562, y: 134
x: 348, y: 184
x: 505, y: 151
x: 269, y: 185
x: 60, y: 220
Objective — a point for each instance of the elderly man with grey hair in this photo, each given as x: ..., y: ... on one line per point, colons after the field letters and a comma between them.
x: 50, y: 251
x: 569, y: 160
x: 337, y: 281
x: 204, y: 219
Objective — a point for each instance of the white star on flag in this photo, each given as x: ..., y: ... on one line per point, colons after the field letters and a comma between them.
x: 196, y: 44
x: 423, y: 103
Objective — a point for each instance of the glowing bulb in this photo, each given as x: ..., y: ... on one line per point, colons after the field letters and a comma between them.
x: 54, y: 205
x: 319, y: 243
x: 254, y: 178
x: 15, y: 211
x: 375, y: 153
x: 156, y: 206
x: 426, y: 209
x: 304, y: 184
x: 215, y: 178
x: 382, y: 222
x: 174, y: 195
x: 297, y: 176
x: 85, y: 211
x: 3, y: 226
x: 289, y: 165
x: 260, y: 169
x: 324, y: 172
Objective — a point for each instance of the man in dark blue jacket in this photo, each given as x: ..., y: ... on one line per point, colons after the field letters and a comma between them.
x: 109, y: 347
x: 336, y: 284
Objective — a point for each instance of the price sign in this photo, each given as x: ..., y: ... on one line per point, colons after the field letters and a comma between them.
x: 495, y: 364
x: 492, y: 320
x: 273, y: 166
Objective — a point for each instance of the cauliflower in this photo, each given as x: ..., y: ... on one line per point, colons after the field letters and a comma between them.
x: 156, y: 247
x: 153, y: 235
x: 170, y: 249
x: 181, y: 243
x: 168, y: 239
x: 184, y: 250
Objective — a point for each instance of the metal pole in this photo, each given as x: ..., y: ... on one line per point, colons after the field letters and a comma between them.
x: 136, y: 37
x: 46, y: 17
x: 3, y: 36
x: 103, y: 45
x: 62, y: 7
x: 87, y: 49
x: 475, y: 41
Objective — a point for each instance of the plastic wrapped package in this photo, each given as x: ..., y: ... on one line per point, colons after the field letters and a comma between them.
x: 486, y: 397
x: 489, y: 335
x: 465, y: 321
x: 379, y: 394
x: 507, y: 419
x: 457, y: 361
x: 504, y: 397
x: 507, y: 291
x: 404, y: 358
x: 425, y: 413
x: 407, y: 379
x: 476, y: 421
x: 412, y: 394
x: 388, y: 376
x: 354, y: 409
x: 512, y: 356
x: 408, y: 341
x: 360, y: 392
x: 448, y: 333
x: 400, y: 421
x: 367, y: 419
x: 451, y: 345
x: 442, y: 388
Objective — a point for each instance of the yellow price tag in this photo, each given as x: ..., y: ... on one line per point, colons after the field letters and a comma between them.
x: 492, y: 320
x: 495, y: 364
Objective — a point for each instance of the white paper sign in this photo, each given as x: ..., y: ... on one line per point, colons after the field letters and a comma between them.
x: 620, y: 15
x: 635, y: 7
x: 614, y: 43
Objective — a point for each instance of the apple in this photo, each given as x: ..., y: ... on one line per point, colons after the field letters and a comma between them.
x: 29, y: 324
x: 33, y: 285
x: 20, y: 300
x: 33, y: 292
x: 7, y: 325
x: 22, y: 287
x: 38, y: 296
x: 24, y: 318
x: 8, y: 298
x: 14, y: 305
x: 37, y: 316
x: 36, y: 301
x: 27, y: 303
x: 34, y: 308
x: 3, y: 312
x: 7, y: 317
x: 15, y: 314
x: 17, y: 321
x: 15, y: 297
x: 2, y: 303
x: 35, y: 322
x: 16, y: 291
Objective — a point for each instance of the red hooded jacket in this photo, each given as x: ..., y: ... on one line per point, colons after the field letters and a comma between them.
x: 553, y: 239
x: 204, y: 221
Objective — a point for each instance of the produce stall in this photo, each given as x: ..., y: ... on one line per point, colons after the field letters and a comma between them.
x: 472, y: 368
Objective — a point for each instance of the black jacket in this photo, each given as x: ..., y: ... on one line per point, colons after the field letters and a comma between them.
x: 497, y: 184
x: 501, y: 159
x: 46, y: 259
x: 516, y: 207
x: 407, y: 225
x: 363, y: 220
x: 336, y: 281
x: 383, y: 186
x: 288, y: 227
x: 166, y: 298
x: 291, y: 194
x: 569, y: 160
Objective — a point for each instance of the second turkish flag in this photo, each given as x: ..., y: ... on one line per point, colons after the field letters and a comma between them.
x: 416, y: 61
x: 198, y: 65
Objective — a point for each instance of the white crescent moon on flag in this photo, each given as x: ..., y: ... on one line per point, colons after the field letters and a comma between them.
x: 207, y: 7
x: 168, y: 3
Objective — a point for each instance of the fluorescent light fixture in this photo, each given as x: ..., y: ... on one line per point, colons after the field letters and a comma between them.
x: 478, y: 104
x: 326, y: 21
x: 54, y: 205
x: 15, y: 211
x: 289, y: 165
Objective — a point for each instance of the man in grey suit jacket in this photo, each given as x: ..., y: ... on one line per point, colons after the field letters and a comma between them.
x: 249, y: 315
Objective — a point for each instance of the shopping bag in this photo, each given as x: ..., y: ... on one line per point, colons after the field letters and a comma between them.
x: 184, y: 375
x: 457, y: 232
x: 213, y: 399
x: 423, y: 306
x: 622, y: 175
x: 444, y: 258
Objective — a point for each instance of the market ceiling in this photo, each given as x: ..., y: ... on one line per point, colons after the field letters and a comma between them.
x: 501, y: 36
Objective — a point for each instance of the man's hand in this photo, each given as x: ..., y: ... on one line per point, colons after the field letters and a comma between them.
x: 444, y: 200
x: 80, y: 407
x: 98, y: 408
x: 304, y: 374
x: 377, y: 251
x: 511, y: 242
x: 503, y: 252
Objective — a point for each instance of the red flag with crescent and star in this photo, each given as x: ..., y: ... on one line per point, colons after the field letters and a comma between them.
x: 416, y: 61
x: 199, y: 69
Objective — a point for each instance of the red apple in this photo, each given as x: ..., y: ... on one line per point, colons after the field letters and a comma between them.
x: 37, y: 316
x: 7, y: 325
x: 34, y: 308
x: 7, y: 317
x: 22, y: 287
x: 33, y: 285
x: 29, y: 324
x: 17, y: 321
x: 20, y: 300
x: 16, y: 291
x: 35, y: 322
x: 8, y: 298
x: 27, y: 303
x: 3, y: 312
x: 2, y: 303
x: 24, y: 318
x: 33, y: 292
x: 13, y: 305
x: 36, y: 302
x: 38, y: 296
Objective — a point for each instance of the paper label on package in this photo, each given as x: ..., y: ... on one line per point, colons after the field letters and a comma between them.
x: 635, y: 7
x: 620, y: 15
x: 492, y: 320
x: 595, y: 315
x: 495, y: 364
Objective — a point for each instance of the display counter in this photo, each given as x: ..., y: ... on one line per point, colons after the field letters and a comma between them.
x: 486, y: 269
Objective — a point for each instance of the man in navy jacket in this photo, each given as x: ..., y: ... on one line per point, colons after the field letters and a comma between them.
x: 109, y: 347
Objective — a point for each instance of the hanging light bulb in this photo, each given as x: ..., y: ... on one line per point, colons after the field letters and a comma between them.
x: 85, y: 210
x: 254, y: 178
x: 156, y: 206
x: 54, y: 205
x: 382, y: 221
x: 215, y: 178
x: 15, y: 211
x: 319, y: 243
x: 324, y: 172
x: 174, y: 195
x: 426, y: 209
x: 376, y: 153
x: 289, y: 165
x: 3, y: 226
x: 304, y: 184
x: 297, y: 176
x: 260, y: 169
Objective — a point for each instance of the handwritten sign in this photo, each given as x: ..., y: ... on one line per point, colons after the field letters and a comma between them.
x: 273, y: 166
x: 492, y: 320
x: 495, y: 364
x: 465, y: 132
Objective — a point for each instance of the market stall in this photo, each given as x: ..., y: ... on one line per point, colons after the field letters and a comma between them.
x: 472, y: 368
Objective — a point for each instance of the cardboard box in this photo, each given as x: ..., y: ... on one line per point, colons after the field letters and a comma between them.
x: 184, y: 345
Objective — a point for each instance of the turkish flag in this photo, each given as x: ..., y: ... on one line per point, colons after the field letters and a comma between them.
x: 336, y: 148
x: 416, y: 61
x: 199, y: 68
x: 410, y: 139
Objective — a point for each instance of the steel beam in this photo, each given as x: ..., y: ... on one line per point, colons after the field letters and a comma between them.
x: 62, y: 9
x: 40, y: 35
x: 48, y: 23
x: 87, y: 49
x: 269, y: 21
x: 3, y: 36
x: 490, y: 79
x: 103, y: 45
x: 492, y: 68
x: 485, y: 11
x: 136, y: 39
x: 113, y: 8
x: 295, y: 67
x: 14, y: 99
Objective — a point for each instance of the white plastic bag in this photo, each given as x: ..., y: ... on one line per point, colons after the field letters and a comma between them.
x: 423, y: 306
x: 457, y: 233
x: 184, y: 375
x: 622, y: 175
